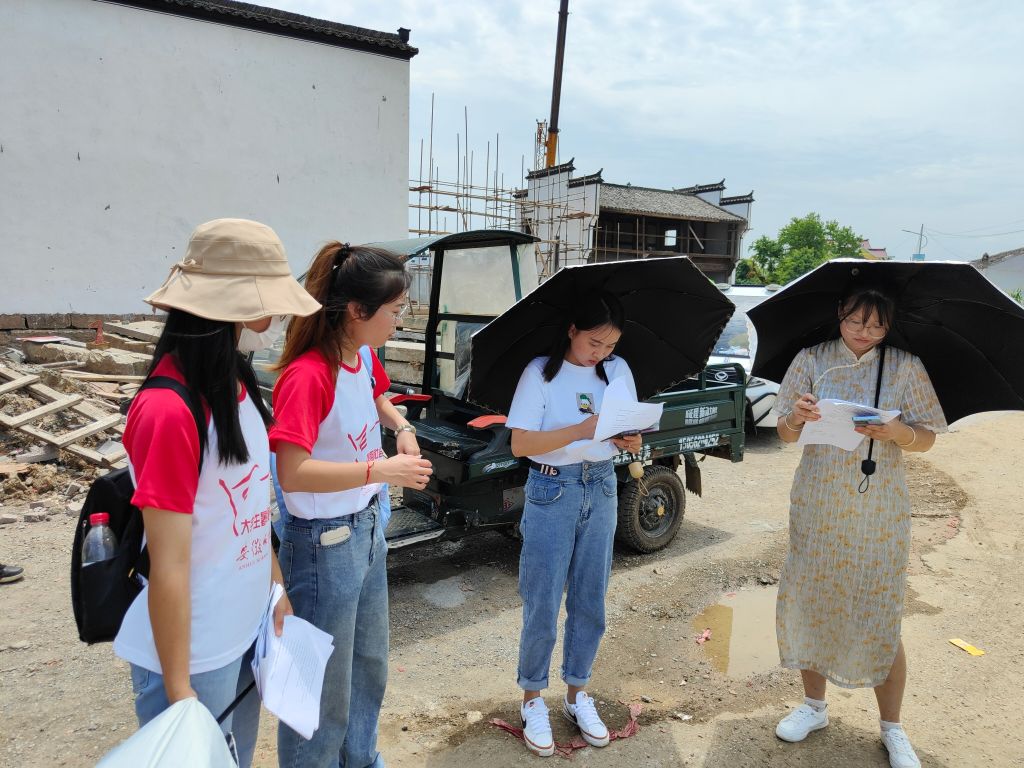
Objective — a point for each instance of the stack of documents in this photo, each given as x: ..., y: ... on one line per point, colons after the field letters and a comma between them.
x: 621, y: 413
x: 836, y: 427
x: 289, y: 669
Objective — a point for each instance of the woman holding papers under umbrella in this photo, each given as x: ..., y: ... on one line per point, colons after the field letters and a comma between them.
x: 840, y: 601
x: 568, y: 524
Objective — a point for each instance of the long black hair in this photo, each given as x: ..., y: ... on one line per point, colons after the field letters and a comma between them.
x: 593, y: 311
x: 861, y: 300
x: 206, y: 354
x: 341, y: 275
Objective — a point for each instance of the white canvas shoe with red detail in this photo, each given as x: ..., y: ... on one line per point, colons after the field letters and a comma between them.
x: 537, y: 727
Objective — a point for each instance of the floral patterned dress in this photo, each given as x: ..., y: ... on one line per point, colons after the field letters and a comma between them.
x: 841, y: 592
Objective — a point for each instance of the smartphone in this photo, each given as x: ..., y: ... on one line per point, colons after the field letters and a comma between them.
x: 867, y: 420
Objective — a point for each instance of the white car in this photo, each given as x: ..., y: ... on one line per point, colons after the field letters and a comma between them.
x: 738, y: 343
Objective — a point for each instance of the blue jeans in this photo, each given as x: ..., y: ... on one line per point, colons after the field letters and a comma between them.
x: 568, y: 530
x: 215, y: 689
x: 342, y: 589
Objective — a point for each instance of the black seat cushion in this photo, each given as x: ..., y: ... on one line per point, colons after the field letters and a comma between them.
x: 448, y: 439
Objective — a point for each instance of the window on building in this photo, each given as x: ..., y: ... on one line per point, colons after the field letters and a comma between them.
x: 670, y: 238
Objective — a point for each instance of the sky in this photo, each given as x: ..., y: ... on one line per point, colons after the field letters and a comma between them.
x: 881, y: 115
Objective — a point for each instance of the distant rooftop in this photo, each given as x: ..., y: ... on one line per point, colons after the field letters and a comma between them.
x: 676, y: 204
x: 261, y: 19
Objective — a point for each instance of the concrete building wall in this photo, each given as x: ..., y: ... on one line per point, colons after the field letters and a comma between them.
x: 121, y: 129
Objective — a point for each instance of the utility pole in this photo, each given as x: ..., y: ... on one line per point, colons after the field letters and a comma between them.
x: 921, y: 240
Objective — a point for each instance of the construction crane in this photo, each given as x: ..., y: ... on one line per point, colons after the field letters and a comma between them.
x: 551, y: 139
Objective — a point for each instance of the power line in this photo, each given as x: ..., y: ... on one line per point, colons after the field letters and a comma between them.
x: 978, y: 229
x: 969, y: 237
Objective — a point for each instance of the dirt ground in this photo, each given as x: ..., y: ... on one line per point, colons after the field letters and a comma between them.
x: 455, y: 617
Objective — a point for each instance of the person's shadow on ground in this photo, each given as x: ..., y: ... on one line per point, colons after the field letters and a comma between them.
x: 750, y: 742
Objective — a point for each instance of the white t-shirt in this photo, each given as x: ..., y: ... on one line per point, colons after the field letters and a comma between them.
x: 229, y: 575
x: 572, y: 396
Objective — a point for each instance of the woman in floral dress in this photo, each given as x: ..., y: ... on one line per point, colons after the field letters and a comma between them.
x: 841, y: 593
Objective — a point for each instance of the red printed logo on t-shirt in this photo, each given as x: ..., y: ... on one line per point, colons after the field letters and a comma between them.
x: 360, y: 441
x: 248, y: 526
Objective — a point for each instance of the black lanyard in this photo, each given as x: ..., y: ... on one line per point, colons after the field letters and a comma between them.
x: 868, y: 466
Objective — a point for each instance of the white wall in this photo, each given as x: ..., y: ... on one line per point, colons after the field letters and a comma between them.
x: 122, y: 129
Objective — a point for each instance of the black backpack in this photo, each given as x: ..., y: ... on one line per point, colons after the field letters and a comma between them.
x: 102, y: 593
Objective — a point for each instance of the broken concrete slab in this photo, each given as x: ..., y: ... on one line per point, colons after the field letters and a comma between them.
x: 38, y: 454
x: 146, y: 330
x: 109, y: 361
x: 404, y: 352
x: 55, y: 352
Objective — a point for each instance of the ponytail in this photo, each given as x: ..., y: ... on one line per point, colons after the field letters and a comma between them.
x: 341, y: 275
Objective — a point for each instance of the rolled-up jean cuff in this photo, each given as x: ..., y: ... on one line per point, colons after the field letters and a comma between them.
x: 579, y: 682
x: 532, y: 685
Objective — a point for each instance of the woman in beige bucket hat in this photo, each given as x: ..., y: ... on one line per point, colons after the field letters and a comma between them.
x: 204, y: 492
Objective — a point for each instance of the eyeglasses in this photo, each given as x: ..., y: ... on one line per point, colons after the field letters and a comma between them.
x: 397, y: 316
x: 874, y: 331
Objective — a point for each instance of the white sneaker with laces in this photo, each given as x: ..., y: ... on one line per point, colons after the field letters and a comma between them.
x: 801, y: 721
x: 901, y: 754
x: 537, y: 727
x: 583, y: 714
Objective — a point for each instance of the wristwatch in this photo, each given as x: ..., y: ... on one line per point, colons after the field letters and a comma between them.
x: 406, y: 428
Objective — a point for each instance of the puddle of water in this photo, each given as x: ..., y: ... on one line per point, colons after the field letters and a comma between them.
x: 742, y: 625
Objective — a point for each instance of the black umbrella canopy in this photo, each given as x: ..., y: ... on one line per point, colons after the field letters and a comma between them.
x: 674, y: 315
x: 967, y: 332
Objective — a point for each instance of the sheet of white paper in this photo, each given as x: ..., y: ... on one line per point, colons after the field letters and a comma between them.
x: 289, y: 670
x: 620, y: 412
x: 835, y: 427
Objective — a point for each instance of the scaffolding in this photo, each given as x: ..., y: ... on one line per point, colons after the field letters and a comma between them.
x: 547, y: 203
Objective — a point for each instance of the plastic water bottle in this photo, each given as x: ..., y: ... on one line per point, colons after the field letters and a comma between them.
x: 100, y: 542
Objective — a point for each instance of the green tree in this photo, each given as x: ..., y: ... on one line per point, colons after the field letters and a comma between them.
x: 1018, y: 295
x: 803, y: 244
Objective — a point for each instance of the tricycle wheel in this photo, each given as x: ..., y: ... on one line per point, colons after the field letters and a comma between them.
x: 651, y: 510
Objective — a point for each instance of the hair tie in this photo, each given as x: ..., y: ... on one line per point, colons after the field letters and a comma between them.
x: 343, y: 253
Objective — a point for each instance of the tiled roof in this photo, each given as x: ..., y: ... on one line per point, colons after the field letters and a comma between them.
x: 698, y: 188
x: 583, y: 181
x: 260, y: 18
x: 661, y: 202
x: 565, y: 167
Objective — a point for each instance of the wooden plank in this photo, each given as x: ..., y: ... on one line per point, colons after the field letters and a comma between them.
x: 89, y: 429
x: 115, y: 377
x: 18, y: 383
x: 8, y: 468
x: 14, y: 422
x: 56, y: 440
x: 48, y: 394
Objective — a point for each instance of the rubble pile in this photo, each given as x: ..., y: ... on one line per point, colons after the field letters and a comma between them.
x: 60, y: 414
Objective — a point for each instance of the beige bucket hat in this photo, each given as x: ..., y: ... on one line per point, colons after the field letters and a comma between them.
x: 235, y: 270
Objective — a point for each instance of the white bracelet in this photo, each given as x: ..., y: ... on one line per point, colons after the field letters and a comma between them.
x: 912, y: 440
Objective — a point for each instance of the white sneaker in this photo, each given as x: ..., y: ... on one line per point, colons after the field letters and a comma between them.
x: 583, y: 714
x: 801, y: 721
x: 537, y: 727
x: 901, y: 754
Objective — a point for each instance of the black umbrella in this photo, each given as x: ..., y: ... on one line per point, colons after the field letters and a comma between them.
x: 967, y: 332
x: 674, y: 315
